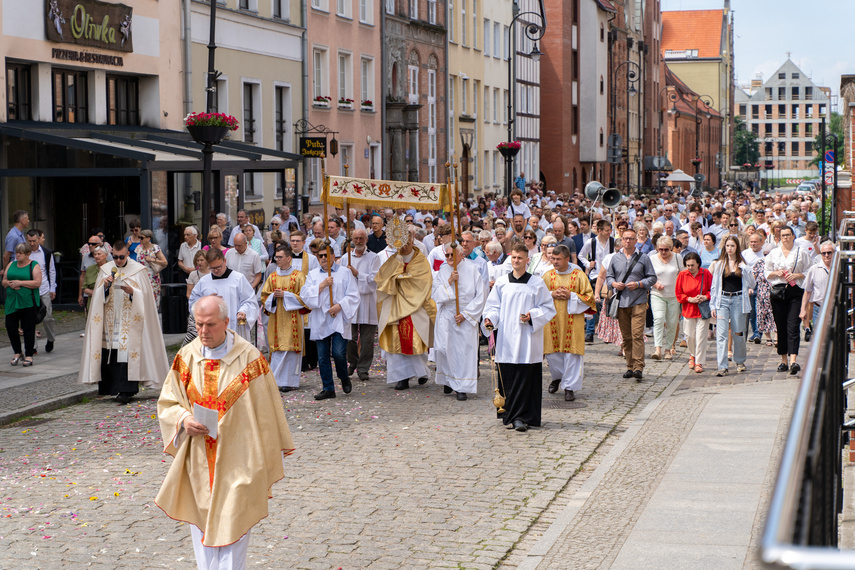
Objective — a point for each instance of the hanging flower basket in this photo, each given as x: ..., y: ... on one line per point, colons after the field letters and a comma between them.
x: 696, y: 161
x: 210, y: 128
x: 509, y: 149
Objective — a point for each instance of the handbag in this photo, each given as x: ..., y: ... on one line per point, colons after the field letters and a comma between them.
x: 704, y: 306
x: 779, y: 291
x: 614, y: 300
x: 41, y: 309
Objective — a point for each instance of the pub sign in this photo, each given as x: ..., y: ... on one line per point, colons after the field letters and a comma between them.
x: 90, y: 23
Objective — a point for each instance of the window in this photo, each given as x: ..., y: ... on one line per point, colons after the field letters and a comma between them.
x: 755, y: 128
x: 123, y: 101
x: 249, y: 111
x: 767, y: 112
x: 321, y: 5
x: 70, y: 96
x: 495, y: 105
x: 768, y: 93
x: 506, y: 36
x: 345, y: 76
x: 431, y: 11
x: 782, y: 129
x: 413, y: 84
x: 390, y: 7
x: 475, y: 24
x: 497, y: 40
x: 366, y: 11
x: 505, y: 106
x: 782, y: 93
x: 782, y: 76
x: 794, y: 129
x: 319, y: 73
x: 18, y: 90
x: 432, y: 130
x: 755, y: 112
x: 487, y: 38
x: 808, y: 93
x: 414, y: 9
x: 496, y: 162
x: 346, y: 159
x: 602, y: 137
x: 808, y: 148
x: 475, y: 86
x: 485, y: 167
x: 221, y: 97
x: 344, y: 8
x: 463, y: 22
x: 767, y: 149
x: 486, y: 104
x: 464, y: 88
x: 243, y: 4
x: 795, y: 113
x: 782, y: 111
x: 280, y: 9
x: 795, y: 75
x: 450, y: 20
x: 282, y: 96
x: 767, y: 129
x: 808, y: 111
x: 602, y: 85
x: 795, y: 94
x: 452, y: 85
x: 742, y: 110
x: 808, y: 129
x: 366, y: 80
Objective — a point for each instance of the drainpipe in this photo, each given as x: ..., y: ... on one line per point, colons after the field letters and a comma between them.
x: 188, y: 82
x: 305, y: 45
x: 381, y: 99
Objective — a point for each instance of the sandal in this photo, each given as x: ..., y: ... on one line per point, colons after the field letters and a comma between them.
x: 657, y: 354
x: 669, y: 355
x: 770, y: 343
x: 699, y: 368
x: 692, y: 362
x: 16, y: 360
x: 27, y: 362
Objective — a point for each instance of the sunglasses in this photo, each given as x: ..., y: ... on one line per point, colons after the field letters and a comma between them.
x: 274, y: 223
x: 529, y: 237
x: 734, y: 225
x: 90, y: 244
x: 121, y: 257
x: 827, y: 253
x: 449, y: 255
x: 664, y: 249
x: 135, y: 229
x: 321, y: 256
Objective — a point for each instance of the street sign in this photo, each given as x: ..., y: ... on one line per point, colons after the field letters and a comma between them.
x: 829, y: 156
x: 615, y: 140
x: 829, y: 177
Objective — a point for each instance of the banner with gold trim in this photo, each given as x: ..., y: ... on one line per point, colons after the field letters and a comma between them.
x: 387, y: 193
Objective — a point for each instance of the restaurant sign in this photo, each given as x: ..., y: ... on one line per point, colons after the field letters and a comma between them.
x: 90, y: 23
x: 313, y: 147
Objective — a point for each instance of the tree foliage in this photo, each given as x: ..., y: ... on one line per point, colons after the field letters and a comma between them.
x: 834, y: 126
x: 746, y: 148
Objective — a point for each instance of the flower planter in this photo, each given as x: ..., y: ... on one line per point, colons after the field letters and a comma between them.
x: 509, y: 152
x: 321, y: 104
x: 207, y: 134
x: 348, y: 106
x: 367, y: 107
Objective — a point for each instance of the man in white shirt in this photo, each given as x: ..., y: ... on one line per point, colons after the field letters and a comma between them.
x: 188, y: 249
x: 354, y: 219
x: 47, y: 289
x: 336, y: 235
x: 816, y: 282
x: 244, y: 260
x: 287, y: 219
x: 243, y: 219
x: 810, y: 241
x: 364, y: 265
x: 330, y: 319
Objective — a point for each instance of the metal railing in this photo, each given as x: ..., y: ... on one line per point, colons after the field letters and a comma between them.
x: 802, y: 522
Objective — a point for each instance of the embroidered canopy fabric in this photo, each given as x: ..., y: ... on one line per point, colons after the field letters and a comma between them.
x: 388, y: 193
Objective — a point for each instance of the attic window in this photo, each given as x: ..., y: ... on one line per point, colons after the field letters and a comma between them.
x: 795, y: 75
x: 782, y: 76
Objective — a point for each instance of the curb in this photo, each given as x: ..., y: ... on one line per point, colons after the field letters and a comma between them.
x: 47, y: 406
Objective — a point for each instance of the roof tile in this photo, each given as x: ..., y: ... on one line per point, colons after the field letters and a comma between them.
x: 693, y: 29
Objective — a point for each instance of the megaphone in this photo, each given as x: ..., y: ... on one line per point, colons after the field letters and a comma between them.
x: 612, y: 197
x: 593, y: 189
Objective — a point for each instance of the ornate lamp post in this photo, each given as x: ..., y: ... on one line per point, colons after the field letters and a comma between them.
x: 672, y: 97
x: 696, y: 161
x: 633, y: 74
x: 534, y: 30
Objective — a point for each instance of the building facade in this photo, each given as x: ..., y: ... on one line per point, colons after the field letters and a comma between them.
x: 784, y: 112
x: 344, y: 87
x: 415, y: 69
x: 698, y: 47
x: 526, y: 95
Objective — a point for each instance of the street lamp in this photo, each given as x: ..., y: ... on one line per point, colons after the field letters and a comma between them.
x: 534, y: 30
x: 633, y: 74
x: 707, y: 101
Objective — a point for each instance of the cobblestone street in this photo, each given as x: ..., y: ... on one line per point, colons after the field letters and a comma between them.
x: 380, y: 479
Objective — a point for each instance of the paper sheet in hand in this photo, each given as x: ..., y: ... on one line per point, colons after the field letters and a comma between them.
x: 207, y: 417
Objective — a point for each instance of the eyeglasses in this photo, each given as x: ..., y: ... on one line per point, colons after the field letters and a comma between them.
x: 274, y: 223
x: 278, y: 257
x: 217, y: 267
x: 648, y: 219
x: 529, y: 237
x: 321, y: 256
x: 90, y: 244
x: 449, y: 255
x: 827, y: 253
x: 121, y: 257
x: 664, y: 249
x: 734, y: 225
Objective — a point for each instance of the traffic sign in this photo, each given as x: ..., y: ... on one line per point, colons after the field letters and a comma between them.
x: 615, y: 139
x: 829, y: 156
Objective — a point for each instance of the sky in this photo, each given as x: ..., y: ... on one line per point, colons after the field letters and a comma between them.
x: 820, y: 40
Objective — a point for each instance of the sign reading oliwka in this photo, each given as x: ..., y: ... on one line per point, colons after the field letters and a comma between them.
x: 90, y: 23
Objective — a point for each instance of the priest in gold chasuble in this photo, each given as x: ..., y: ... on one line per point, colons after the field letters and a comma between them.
x: 280, y: 298
x: 123, y: 345
x: 224, y: 466
x: 564, y: 335
x: 406, y: 312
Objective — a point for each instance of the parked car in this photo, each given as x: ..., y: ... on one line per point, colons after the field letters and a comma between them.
x: 805, y: 188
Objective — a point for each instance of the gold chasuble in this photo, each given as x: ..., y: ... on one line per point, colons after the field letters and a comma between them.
x: 405, y: 309
x: 284, y: 328
x: 222, y: 485
x: 565, y: 332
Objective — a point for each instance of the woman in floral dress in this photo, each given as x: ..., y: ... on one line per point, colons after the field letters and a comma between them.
x: 152, y: 258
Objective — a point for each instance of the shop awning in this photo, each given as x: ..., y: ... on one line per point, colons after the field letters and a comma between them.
x: 150, y: 149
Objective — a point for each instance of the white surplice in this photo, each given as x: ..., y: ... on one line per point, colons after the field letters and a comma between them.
x: 367, y: 265
x: 518, y: 342
x: 456, y: 346
x: 564, y: 366
x: 238, y: 294
x: 285, y: 364
x: 345, y: 293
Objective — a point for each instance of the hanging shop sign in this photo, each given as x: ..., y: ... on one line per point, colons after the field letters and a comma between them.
x: 90, y: 23
x: 313, y: 147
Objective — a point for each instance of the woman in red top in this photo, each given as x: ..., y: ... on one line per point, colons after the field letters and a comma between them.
x: 693, y: 287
